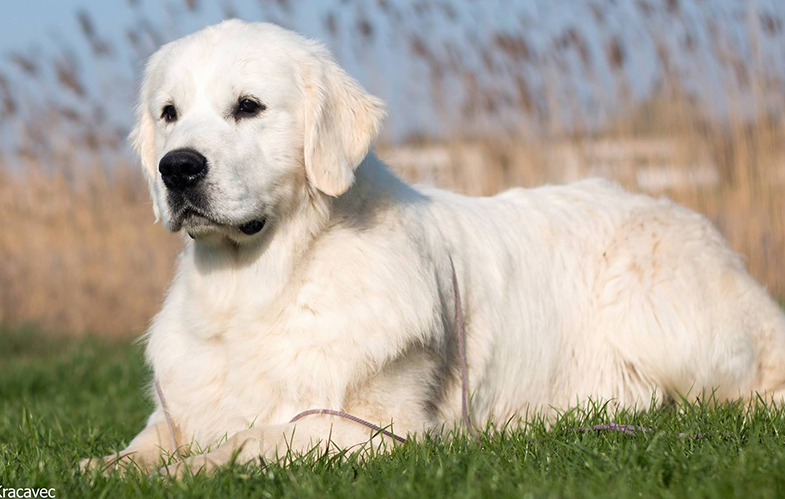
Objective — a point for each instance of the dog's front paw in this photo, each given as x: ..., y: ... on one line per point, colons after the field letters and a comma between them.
x: 122, y: 462
x: 106, y: 464
x: 204, y: 464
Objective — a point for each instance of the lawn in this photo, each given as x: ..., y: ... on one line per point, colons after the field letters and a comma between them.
x: 63, y: 399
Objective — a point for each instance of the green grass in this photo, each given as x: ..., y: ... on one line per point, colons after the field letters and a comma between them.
x: 61, y: 400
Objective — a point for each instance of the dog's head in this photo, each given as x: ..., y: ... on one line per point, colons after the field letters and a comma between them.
x: 239, y: 121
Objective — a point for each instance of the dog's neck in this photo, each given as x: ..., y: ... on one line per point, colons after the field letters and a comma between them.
x: 268, y: 263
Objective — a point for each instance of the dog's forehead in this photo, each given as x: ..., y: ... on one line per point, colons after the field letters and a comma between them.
x: 218, y: 61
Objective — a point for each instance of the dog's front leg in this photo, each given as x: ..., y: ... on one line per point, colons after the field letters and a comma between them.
x: 317, y: 433
x: 149, y: 449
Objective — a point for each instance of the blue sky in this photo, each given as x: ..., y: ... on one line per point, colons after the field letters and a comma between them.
x: 34, y: 22
x: 42, y: 28
x: 27, y: 23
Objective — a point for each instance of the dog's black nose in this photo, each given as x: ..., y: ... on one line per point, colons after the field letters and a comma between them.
x: 182, y: 168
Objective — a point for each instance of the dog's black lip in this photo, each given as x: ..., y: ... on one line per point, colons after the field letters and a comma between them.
x: 191, y: 212
x: 253, y: 227
x: 248, y: 228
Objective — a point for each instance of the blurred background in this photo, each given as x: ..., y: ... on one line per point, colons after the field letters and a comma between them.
x: 682, y: 98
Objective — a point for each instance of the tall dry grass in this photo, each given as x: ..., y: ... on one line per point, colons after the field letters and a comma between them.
x: 79, y: 251
x: 80, y: 255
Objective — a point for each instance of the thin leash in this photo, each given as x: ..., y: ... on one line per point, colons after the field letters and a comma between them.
x: 462, y: 356
x: 461, y: 333
x: 168, y: 416
x: 368, y: 424
x: 627, y: 429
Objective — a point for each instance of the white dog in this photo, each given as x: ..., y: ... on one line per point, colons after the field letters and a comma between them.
x: 315, y: 279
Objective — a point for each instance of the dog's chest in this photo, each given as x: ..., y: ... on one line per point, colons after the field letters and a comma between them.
x: 242, y: 352
x: 244, y: 368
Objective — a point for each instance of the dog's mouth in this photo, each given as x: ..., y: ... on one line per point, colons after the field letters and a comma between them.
x: 197, y: 223
x: 194, y: 221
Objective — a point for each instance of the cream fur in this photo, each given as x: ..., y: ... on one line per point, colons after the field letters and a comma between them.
x: 570, y: 292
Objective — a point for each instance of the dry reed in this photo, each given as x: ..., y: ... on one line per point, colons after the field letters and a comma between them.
x: 79, y: 251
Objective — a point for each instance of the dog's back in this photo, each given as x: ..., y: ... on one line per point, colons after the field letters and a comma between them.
x: 587, y: 291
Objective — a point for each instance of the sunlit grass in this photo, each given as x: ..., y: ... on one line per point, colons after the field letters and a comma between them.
x: 61, y: 400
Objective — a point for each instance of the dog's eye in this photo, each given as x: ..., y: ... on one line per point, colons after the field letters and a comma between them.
x: 169, y: 113
x: 248, y: 107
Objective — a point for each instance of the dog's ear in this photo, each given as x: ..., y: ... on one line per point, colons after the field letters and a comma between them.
x: 341, y: 122
x: 142, y: 139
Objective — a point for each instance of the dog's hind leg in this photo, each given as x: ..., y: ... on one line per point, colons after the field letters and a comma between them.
x: 768, y: 319
x: 677, y: 306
